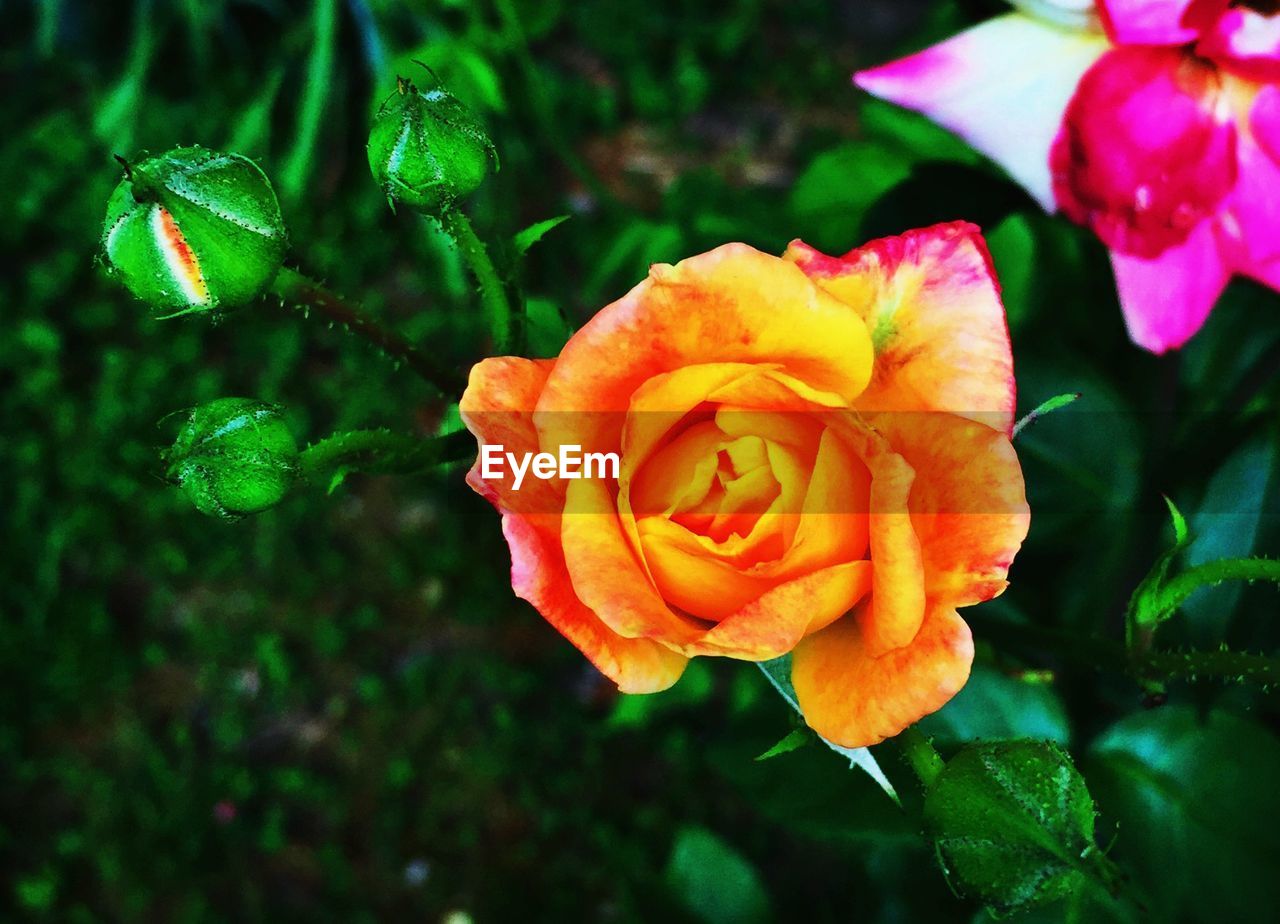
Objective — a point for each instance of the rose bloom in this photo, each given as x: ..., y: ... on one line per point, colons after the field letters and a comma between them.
x: 815, y: 459
x: 1155, y: 123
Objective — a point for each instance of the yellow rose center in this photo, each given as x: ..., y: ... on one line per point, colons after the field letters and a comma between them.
x: 732, y: 502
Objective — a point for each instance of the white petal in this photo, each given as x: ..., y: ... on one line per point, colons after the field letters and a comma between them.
x: 1003, y: 86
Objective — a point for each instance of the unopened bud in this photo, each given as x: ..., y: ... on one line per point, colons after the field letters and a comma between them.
x: 234, y: 457
x: 194, y: 230
x: 427, y: 150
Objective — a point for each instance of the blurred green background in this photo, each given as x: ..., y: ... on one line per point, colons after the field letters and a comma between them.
x: 337, y: 710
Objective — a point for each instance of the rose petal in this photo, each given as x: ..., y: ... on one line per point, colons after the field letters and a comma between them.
x: 1158, y: 22
x: 1167, y: 299
x: 607, y: 575
x: 663, y: 401
x: 1245, y: 42
x: 968, y: 502
x: 1264, y: 121
x: 771, y: 625
x: 1255, y: 207
x: 680, y: 474
x: 932, y: 303
x: 734, y: 304
x: 1249, y: 225
x: 834, y: 525
x: 1002, y: 86
x: 892, y: 617
x: 855, y: 699
x: 497, y: 407
x: 713, y: 582
x: 538, y: 575
x: 692, y: 576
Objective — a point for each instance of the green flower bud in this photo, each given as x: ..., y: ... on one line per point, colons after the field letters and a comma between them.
x: 426, y: 149
x: 1013, y: 824
x: 234, y: 457
x: 194, y: 230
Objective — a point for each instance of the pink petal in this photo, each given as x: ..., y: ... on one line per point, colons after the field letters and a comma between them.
x: 1167, y: 299
x: 1264, y: 121
x: 1002, y: 86
x: 1147, y: 150
x: 1267, y: 273
x: 1245, y: 42
x: 1250, y: 222
x: 1158, y: 22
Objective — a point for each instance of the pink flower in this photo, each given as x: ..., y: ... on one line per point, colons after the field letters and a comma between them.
x: 1155, y: 123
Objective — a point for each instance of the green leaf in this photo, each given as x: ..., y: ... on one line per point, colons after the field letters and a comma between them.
x: 534, y: 233
x: 830, y: 196
x: 713, y: 881
x: 995, y: 706
x: 779, y: 673
x: 1227, y: 523
x: 546, y: 330
x: 798, y: 738
x: 629, y: 254
x: 317, y: 92
x: 1180, y: 532
x: 918, y: 136
x: 1013, y: 825
x: 1053, y: 404
x: 338, y: 478
x: 1147, y: 607
x: 1013, y: 251
x: 1195, y: 802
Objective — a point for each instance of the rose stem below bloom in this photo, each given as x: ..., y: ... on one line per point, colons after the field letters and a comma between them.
x: 300, y: 291
x: 921, y: 755
x: 493, y: 292
x: 383, y: 452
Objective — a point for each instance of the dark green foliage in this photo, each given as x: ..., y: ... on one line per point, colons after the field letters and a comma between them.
x: 995, y: 706
x: 1194, y: 803
x: 713, y: 881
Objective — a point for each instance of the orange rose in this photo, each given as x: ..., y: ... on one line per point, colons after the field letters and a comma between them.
x: 813, y: 457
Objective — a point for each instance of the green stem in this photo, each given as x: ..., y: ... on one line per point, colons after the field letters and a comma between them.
x: 382, y: 452
x: 1176, y: 590
x: 493, y: 292
x: 921, y: 755
x: 1103, y: 654
x: 1239, y: 666
x: 300, y: 291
